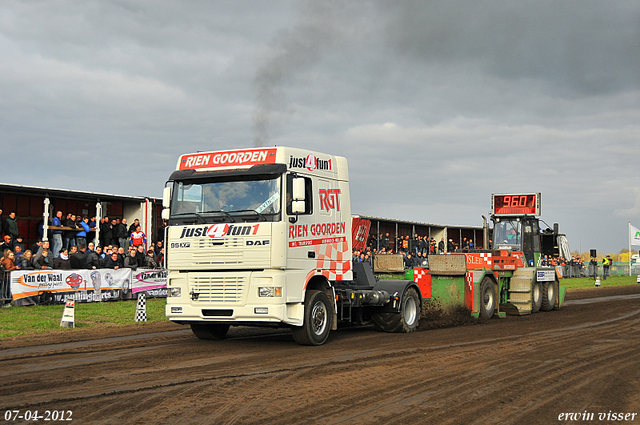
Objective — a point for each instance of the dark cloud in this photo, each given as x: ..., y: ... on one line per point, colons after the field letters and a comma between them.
x: 436, y: 105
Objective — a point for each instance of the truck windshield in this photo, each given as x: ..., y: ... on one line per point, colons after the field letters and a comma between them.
x: 507, y: 235
x: 227, y: 200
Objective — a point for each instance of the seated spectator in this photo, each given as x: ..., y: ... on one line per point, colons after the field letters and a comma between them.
x: 151, y: 260
x: 131, y: 262
x: 77, y: 258
x: 8, y: 261
x: 62, y: 262
x: 161, y: 258
x: 157, y: 248
x: 142, y: 259
x: 42, y: 262
x: 113, y: 262
x: 17, y: 250
x: 25, y: 261
x: 94, y: 259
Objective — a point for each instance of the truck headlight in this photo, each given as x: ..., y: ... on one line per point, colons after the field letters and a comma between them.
x: 175, y: 292
x: 269, y: 291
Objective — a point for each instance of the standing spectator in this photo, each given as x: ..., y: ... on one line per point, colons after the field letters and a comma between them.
x: 11, y: 226
x: 606, y: 263
x: 122, y: 233
x: 450, y: 246
x: 18, y: 242
x: 441, y: 246
x: 138, y: 237
x: 1, y: 223
x: 134, y: 226
x: 81, y: 237
x: 386, y: 242
x: 56, y: 234
x: 7, y: 244
x: 593, y: 267
x: 70, y: 235
x: 104, y: 224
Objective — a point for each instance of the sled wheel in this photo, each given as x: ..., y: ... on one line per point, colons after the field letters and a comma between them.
x: 487, y: 298
x: 549, y: 291
x: 536, y: 297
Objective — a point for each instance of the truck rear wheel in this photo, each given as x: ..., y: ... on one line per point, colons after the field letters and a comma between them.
x: 549, y: 291
x: 209, y: 330
x: 536, y: 297
x: 487, y: 298
x: 405, y: 321
x: 317, y: 320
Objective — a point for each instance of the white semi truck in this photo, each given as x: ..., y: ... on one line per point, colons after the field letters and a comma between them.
x: 262, y: 237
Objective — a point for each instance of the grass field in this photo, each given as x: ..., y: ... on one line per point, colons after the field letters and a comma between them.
x: 15, y: 321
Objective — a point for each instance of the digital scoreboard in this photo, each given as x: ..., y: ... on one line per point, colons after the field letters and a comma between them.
x: 515, y: 204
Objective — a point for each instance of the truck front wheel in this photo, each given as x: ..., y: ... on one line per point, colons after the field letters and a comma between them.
x: 405, y: 321
x: 209, y: 330
x: 317, y: 320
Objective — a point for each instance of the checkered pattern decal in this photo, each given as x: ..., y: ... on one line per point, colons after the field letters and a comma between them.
x: 419, y: 274
x: 333, y: 260
x: 486, y: 257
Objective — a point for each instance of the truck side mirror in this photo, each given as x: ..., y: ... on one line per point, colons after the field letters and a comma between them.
x: 298, y: 207
x: 298, y: 189
x: 166, y: 202
x: 166, y: 197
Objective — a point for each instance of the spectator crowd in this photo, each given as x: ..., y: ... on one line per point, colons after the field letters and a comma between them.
x: 120, y: 245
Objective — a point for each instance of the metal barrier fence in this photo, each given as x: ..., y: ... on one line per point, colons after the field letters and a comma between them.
x: 616, y: 269
x: 5, y: 287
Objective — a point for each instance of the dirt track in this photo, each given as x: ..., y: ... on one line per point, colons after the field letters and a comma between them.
x: 530, y: 369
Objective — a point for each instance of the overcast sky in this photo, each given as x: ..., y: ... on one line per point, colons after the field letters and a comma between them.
x: 436, y: 105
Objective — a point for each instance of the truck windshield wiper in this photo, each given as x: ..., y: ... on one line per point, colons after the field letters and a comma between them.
x: 262, y: 216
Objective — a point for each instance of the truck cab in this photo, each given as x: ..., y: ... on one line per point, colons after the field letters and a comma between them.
x: 262, y: 237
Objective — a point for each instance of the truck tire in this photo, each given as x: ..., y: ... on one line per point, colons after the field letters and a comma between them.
x: 404, y: 321
x: 549, y: 292
x: 318, y: 314
x: 487, y: 298
x: 536, y: 297
x: 209, y: 330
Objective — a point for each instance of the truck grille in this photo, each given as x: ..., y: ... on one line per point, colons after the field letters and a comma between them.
x: 218, y: 289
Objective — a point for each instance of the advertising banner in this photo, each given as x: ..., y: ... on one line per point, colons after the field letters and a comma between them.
x: 360, y: 233
x: 31, y: 287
